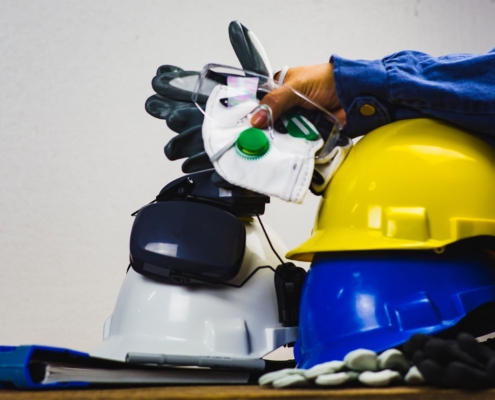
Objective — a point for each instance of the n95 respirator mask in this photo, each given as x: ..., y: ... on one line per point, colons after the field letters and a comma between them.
x: 277, y: 160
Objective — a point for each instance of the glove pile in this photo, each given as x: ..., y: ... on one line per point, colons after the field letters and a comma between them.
x: 462, y: 363
x: 359, y: 366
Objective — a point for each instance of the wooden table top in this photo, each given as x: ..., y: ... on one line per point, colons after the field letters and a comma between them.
x: 249, y: 392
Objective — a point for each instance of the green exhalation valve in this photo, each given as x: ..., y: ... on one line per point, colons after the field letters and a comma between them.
x: 252, y: 143
x: 300, y: 127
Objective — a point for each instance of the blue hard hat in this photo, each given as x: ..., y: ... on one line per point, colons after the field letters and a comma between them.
x: 378, y: 299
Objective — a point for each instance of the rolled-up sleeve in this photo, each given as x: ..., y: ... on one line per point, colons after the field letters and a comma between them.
x: 459, y: 88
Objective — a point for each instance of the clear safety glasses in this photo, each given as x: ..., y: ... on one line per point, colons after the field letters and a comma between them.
x: 241, y: 90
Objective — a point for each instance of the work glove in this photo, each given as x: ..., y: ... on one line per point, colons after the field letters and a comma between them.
x: 462, y: 363
x: 359, y: 366
x: 173, y: 102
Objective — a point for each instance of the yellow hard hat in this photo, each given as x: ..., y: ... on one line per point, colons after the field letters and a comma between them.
x: 412, y: 184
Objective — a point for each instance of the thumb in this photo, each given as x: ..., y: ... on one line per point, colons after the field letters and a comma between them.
x: 279, y: 100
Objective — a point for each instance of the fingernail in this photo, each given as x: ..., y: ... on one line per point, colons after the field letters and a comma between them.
x: 259, y: 119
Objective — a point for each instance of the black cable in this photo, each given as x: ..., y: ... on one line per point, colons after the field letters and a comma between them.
x: 201, y: 279
x: 249, y: 277
x: 267, y: 238
x: 187, y: 275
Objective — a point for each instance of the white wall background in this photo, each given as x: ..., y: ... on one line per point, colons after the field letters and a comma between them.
x: 78, y: 153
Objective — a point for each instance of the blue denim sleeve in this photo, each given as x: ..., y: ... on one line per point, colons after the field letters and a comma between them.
x: 459, y: 88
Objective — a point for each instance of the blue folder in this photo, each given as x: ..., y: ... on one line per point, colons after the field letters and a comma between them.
x: 18, y: 365
x: 27, y: 367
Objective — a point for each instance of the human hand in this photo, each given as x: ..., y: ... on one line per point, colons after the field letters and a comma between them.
x: 315, y: 82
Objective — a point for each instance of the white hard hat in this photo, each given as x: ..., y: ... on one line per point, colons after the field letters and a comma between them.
x: 156, y: 317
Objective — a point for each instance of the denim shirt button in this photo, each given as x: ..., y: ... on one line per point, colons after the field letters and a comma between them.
x: 367, y: 110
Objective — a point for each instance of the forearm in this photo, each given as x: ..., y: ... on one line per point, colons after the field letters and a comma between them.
x: 458, y: 88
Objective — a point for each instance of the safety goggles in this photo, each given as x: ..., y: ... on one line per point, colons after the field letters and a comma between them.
x: 240, y: 92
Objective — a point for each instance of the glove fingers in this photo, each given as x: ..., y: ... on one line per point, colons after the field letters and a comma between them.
x: 269, y: 378
x: 475, y: 349
x: 433, y: 372
x: 217, y: 180
x: 164, y: 69
x: 414, y: 376
x: 160, y: 107
x: 185, y: 145
x: 416, y: 342
x: 326, y: 368
x: 184, y: 117
x: 439, y: 350
x: 290, y: 381
x: 361, y: 360
x: 393, y: 359
x: 248, y: 49
x: 446, y: 351
x: 180, y: 116
x: 197, y: 162
x: 490, y: 369
x: 417, y: 357
x: 176, y: 85
x: 337, y: 378
x: 379, y: 379
x: 463, y: 376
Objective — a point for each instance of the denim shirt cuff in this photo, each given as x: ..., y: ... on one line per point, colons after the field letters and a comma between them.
x: 362, y: 86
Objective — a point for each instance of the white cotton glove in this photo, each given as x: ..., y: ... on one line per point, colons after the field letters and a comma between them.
x: 361, y: 360
x: 359, y: 365
x: 379, y: 379
x: 324, y: 369
x: 337, y: 378
x: 414, y: 376
x: 284, y: 378
x: 393, y: 359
